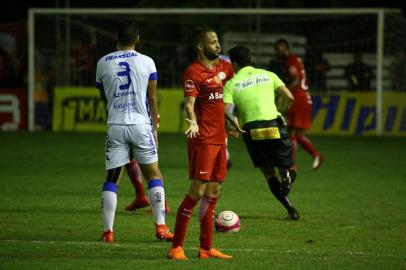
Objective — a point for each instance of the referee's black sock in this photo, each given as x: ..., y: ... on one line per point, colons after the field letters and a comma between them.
x: 275, y: 187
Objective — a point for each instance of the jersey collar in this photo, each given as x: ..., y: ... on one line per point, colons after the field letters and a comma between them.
x: 245, y: 69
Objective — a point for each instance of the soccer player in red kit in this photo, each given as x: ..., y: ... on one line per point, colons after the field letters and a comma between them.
x: 204, y: 108
x: 299, y: 114
x: 225, y: 72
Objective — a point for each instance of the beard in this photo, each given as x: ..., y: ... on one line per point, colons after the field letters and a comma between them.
x: 211, y: 55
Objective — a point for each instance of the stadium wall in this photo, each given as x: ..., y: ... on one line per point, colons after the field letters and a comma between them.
x: 13, y: 109
x: 81, y: 109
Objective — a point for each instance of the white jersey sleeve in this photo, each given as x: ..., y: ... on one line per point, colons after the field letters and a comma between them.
x: 124, y: 77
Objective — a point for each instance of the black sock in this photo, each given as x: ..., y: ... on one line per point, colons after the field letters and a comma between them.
x: 275, y: 187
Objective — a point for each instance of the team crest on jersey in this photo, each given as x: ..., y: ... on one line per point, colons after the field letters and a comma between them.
x: 221, y: 75
x: 189, y: 85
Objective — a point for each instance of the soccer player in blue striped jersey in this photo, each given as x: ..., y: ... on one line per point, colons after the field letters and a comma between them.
x: 127, y: 81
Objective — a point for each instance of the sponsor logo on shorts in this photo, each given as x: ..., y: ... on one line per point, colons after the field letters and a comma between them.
x: 202, y: 172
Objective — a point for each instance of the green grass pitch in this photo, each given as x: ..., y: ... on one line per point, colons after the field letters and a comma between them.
x: 353, y: 211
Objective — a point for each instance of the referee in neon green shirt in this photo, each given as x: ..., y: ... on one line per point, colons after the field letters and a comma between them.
x: 252, y: 91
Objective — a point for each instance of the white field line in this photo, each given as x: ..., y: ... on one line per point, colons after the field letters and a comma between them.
x: 164, y: 246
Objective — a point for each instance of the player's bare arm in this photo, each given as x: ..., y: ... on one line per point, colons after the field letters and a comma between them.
x: 284, y: 99
x: 231, y: 120
x: 193, y: 130
x: 153, y: 102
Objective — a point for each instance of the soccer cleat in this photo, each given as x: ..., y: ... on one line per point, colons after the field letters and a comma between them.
x: 107, y: 237
x: 163, y: 233
x: 177, y: 253
x: 137, y: 203
x: 212, y: 253
x: 317, y: 161
x: 293, y: 214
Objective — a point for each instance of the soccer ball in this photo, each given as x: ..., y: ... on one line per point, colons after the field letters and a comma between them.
x: 227, y: 221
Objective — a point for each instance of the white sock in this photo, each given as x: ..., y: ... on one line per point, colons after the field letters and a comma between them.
x: 156, y: 196
x: 109, y: 204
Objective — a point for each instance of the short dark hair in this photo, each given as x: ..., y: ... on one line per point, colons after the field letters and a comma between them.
x: 282, y: 41
x: 127, y: 32
x: 240, y: 55
x: 199, y: 34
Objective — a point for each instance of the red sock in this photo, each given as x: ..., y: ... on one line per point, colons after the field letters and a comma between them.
x: 293, y: 141
x: 134, y: 172
x: 306, y: 144
x: 183, y: 216
x: 206, y: 213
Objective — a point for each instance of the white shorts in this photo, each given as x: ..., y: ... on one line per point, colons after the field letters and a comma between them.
x: 121, y: 139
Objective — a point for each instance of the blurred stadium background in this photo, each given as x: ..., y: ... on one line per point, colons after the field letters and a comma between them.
x: 49, y: 82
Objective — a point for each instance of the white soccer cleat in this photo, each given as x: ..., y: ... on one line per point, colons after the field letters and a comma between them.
x: 317, y: 161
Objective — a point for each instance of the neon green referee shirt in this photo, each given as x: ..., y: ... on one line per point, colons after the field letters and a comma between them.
x: 252, y: 90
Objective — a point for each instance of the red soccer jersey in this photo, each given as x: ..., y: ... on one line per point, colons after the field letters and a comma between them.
x: 299, y: 114
x: 295, y: 68
x: 225, y: 69
x: 206, y: 86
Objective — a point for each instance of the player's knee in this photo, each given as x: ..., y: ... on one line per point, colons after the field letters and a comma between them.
x: 213, y: 190
x: 196, y: 195
x: 268, y: 172
x: 150, y: 171
x: 213, y: 193
x: 197, y: 189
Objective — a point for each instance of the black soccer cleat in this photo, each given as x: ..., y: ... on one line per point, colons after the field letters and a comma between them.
x: 293, y: 214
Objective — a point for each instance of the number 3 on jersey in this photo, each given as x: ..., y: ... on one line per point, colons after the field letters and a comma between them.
x: 125, y: 73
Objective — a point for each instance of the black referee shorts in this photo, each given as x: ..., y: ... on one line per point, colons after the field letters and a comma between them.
x: 268, y: 143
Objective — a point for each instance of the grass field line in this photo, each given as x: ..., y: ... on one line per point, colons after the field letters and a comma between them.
x: 143, y: 245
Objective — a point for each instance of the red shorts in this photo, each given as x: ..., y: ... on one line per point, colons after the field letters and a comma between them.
x: 300, y: 114
x: 207, y: 162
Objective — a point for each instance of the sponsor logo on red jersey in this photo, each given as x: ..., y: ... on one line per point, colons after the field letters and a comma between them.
x: 189, y: 85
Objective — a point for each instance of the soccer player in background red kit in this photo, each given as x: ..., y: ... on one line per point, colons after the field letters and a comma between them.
x: 299, y: 114
x: 225, y: 72
x: 204, y: 108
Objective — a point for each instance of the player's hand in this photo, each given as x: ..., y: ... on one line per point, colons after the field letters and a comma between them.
x: 193, y: 129
x: 233, y: 134
x: 233, y: 126
x: 282, y: 120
